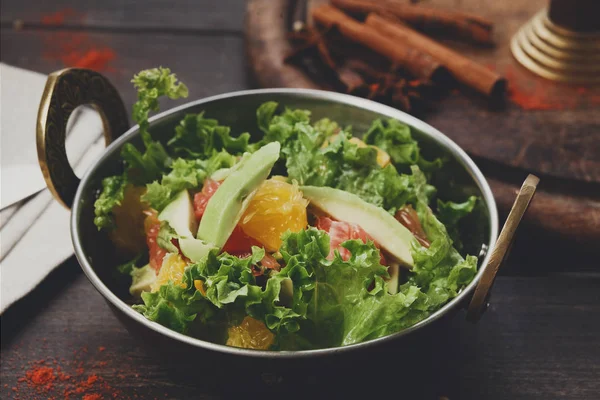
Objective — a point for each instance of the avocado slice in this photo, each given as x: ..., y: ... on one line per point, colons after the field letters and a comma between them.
x: 142, y: 279
x: 286, y: 294
x: 390, y: 234
x: 220, y: 174
x: 392, y: 284
x: 226, y: 206
x: 194, y: 249
x: 179, y: 213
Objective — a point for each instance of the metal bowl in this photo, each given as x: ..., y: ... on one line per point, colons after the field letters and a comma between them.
x: 460, y: 177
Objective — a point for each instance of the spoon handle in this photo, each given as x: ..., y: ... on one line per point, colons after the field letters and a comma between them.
x: 479, y: 301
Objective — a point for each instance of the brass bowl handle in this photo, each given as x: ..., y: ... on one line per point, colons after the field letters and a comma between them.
x: 66, y: 90
x: 500, y: 251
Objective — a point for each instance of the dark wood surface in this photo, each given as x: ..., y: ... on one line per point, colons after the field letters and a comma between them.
x: 561, y: 145
x: 539, y: 339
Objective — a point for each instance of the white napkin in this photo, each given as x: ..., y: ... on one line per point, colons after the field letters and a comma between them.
x: 34, y: 234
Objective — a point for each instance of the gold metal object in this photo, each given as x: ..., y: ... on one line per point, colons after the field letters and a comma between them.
x: 66, y: 90
x: 556, y: 53
x: 502, y: 248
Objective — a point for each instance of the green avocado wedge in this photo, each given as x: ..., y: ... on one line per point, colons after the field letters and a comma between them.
x: 390, y: 234
x: 194, y: 249
x: 179, y: 213
x: 142, y: 279
x: 226, y: 206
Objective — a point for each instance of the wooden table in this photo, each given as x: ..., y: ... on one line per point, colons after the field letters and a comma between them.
x: 539, y: 339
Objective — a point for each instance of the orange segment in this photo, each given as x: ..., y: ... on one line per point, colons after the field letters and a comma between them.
x: 250, y: 334
x: 277, y: 207
x: 199, y: 285
x: 383, y: 158
x: 173, y: 268
x: 128, y: 235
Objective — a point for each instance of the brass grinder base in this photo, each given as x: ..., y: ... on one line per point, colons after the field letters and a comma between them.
x: 556, y: 53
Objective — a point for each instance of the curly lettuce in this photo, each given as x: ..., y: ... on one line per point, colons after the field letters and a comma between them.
x: 333, y: 302
x: 199, y: 138
x: 151, y: 84
x: 323, y: 155
x: 312, y: 302
x: 140, y: 167
x: 184, y: 174
x: 113, y: 191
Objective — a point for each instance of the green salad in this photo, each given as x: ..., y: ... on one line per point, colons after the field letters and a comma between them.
x: 314, y: 236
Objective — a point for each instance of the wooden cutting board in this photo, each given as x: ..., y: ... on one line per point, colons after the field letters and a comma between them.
x: 559, y: 140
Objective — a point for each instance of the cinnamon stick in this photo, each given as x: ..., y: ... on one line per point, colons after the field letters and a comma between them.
x: 458, y: 24
x: 417, y: 62
x: 464, y: 70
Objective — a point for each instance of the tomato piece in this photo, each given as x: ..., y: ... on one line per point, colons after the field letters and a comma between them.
x: 339, y: 232
x: 324, y: 223
x: 408, y: 217
x: 239, y: 244
x: 201, y: 198
x: 270, y: 262
x: 152, y: 227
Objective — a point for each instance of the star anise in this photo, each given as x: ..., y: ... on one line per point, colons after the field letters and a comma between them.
x: 328, y: 59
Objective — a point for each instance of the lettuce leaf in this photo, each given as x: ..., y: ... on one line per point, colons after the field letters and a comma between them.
x: 439, y: 270
x: 152, y: 84
x: 264, y: 115
x: 230, y: 292
x: 394, y: 138
x: 229, y: 282
x: 173, y: 307
x: 313, y: 158
x: 228, y: 278
x: 184, y: 174
x: 279, y: 127
x: 327, y: 127
x: 333, y: 302
x: 145, y: 167
x: 165, y: 236
x: 113, y: 191
x: 157, y: 196
x: 451, y: 214
x: 199, y: 137
x: 126, y: 268
x: 346, y: 301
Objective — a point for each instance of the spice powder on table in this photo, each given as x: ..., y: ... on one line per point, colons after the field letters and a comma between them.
x: 74, y: 48
x: 78, y: 378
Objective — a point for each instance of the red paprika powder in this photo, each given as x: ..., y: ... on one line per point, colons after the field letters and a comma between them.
x: 41, y: 376
x: 73, y: 48
x: 73, y: 382
x: 531, y: 92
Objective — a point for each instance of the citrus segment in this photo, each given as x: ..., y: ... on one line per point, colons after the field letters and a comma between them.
x: 339, y: 232
x: 152, y: 227
x: 276, y: 208
x: 128, y: 235
x: 250, y: 334
x: 173, y: 268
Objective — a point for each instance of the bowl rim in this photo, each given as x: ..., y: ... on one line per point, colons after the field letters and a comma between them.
x: 344, y: 99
